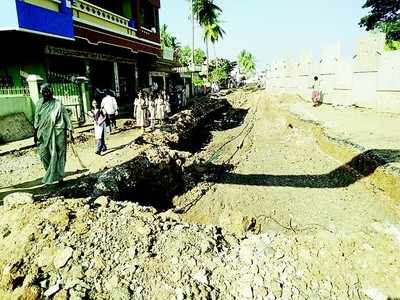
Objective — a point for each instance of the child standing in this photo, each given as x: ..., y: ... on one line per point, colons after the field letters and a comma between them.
x: 152, y: 111
x: 141, y: 112
x: 99, y: 118
x: 160, y: 109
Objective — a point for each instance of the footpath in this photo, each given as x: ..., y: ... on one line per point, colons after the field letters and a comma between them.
x: 362, y: 139
x: 29, y: 143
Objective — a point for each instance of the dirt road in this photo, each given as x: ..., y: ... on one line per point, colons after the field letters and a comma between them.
x: 23, y: 171
x: 341, y: 228
x: 287, y: 221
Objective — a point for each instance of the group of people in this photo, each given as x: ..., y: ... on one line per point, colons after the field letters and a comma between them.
x: 52, y: 124
x: 151, y: 108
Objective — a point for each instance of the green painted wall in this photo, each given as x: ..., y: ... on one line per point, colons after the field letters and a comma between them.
x: 13, y: 70
x: 16, y: 104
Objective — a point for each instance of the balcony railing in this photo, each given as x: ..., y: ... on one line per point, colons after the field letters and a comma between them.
x: 149, y: 34
x: 96, y: 16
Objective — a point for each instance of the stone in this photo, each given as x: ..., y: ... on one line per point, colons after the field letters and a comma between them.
x: 62, y: 256
x: 31, y: 293
x: 76, y: 272
x: 16, y: 199
x: 120, y: 294
x: 44, y: 283
x: 112, y: 283
x: 374, y: 294
x: 179, y: 294
x: 99, y: 263
x: 141, y: 228
x: 102, y: 201
x: 58, y: 216
x: 81, y: 228
x: 132, y: 252
x: 61, y: 295
x: 201, y: 277
x: 45, y: 257
x: 52, y: 290
x: 246, y: 292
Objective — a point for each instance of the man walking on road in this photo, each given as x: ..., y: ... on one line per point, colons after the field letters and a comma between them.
x: 316, y: 91
x: 109, y: 105
x: 52, y: 125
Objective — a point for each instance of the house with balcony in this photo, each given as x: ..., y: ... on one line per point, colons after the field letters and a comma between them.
x: 115, y: 44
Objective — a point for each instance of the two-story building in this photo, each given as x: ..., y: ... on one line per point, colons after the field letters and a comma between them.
x: 113, y: 43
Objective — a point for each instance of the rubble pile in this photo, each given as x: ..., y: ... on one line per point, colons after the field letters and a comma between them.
x: 156, y: 172
x: 98, y: 238
x: 182, y: 124
x: 154, y: 176
x: 80, y: 249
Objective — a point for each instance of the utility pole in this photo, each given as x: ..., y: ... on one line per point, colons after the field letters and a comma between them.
x: 192, y: 7
x: 192, y: 66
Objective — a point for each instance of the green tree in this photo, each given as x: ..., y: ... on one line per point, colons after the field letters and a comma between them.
x: 169, y: 41
x: 384, y: 15
x: 165, y: 36
x: 184, y: 56
x: 212, y: 33
x: 388, y: 28
x: 246, y: 62
x: 220, y: 68
x: 199, y: 56
x: 205, y: 11
x: 207, y: 14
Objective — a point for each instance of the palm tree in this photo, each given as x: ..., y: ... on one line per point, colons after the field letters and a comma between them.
x: 165, y: 37
x: 212, y: 33
x: 168, y: 40
x: 246, y: 62
x: 205, y: 11
x: 207, y: 14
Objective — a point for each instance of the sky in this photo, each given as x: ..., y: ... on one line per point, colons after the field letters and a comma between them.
x: 273, y: 29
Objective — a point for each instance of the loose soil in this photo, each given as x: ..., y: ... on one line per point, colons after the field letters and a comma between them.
x: 259, y: 212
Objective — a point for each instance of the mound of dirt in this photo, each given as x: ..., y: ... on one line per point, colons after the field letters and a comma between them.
x: 15, y: 127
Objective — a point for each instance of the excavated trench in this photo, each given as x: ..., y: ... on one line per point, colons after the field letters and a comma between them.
x: 164, y: 168
x: 310, y: 231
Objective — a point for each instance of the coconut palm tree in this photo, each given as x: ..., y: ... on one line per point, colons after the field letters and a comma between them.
x: 165, y: 37
x: 212, y: 33
x: 207, y: 14
x: 206, y: 11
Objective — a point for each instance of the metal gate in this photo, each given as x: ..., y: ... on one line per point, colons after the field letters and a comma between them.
x: 69, y: 92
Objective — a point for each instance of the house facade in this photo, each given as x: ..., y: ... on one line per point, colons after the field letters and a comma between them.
x: 115, y: 44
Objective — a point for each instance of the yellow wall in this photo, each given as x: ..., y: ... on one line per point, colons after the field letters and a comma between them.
x: 49, y: 4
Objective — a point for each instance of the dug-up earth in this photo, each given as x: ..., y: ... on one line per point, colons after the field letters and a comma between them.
x: 257, y: 211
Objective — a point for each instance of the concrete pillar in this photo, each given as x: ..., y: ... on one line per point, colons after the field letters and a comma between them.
x: 150, y: 80
x: 164, y: 82
x: 116, y: 79
x: 85, y: 97
x: 136, y: 83
x: 34, y: 82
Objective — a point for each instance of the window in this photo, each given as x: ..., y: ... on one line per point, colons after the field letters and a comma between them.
x: 149, y: 16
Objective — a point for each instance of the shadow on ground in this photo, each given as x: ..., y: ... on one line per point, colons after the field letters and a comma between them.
x: 359, y: 167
